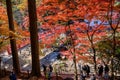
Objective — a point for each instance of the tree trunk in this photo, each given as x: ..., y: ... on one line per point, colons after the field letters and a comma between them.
x: 94, y: 56
x: 94, y: 59
x: 114, y: 52
x: 75, y: 66
x: 34, y: 38
x: 93, y: 49
x: 15, y: 58
x: 112, y: 69
x: 74, y: 56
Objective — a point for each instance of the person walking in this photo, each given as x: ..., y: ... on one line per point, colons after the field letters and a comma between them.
x: 12, y: 76
x: 84, y: 68
x: 87, y: 69
x: 82, y: 76
x: 93, y: 77
x: 50, y: 72
x: 100, y: 70
x: 44, y: 69
x: 106, y: 72
x: 106, y: 68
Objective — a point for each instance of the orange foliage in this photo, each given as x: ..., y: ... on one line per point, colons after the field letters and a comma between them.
x: 55, y: 15
x: 51, y: 12
x: 6, y: 33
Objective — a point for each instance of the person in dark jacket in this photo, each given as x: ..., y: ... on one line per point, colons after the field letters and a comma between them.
x: 82, y: 76
x: 106, y: 68
x: 87, y: 69
x: 51, y: 68
x: 12, y: 76
x: 100, y: 70
x: 106, y: 72
x: 44, y: 69
x: 50, y: 72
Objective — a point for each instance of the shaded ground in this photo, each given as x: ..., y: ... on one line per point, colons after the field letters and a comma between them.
x: 24, y: 76
x: 33, y: 78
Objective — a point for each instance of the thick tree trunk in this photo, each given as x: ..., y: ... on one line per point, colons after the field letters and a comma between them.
x: 34, y: 38
x: 16, y: 65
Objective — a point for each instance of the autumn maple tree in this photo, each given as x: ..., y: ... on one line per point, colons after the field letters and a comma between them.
x: 5, y: 33
x: 53, y: 13
x: 68, y: 14
x: 3, y: 25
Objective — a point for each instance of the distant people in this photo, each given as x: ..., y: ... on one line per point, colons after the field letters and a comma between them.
x: 106, y: 76
x: 51, y: 68
x: 44, y: 69
x: 93, y: 77
x: 84, y: 68
x: 106, y: 68
x: 100, y: 70
x: 50, y: 72
x: 106, y: 72
x: 87, y: 69
x: 79, y: 67
x: 82, y: 76
x: 12, y: 76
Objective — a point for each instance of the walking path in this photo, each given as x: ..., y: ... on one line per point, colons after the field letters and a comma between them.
x: 64, y: 68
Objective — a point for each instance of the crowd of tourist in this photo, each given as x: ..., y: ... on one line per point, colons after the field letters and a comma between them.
x: 102, y: 73
x: 47, y: 71
x: 85, y: 72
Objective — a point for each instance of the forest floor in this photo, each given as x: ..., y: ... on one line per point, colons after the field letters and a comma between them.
x: 54, y: 77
